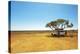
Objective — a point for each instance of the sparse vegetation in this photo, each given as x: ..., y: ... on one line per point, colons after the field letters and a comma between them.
x: 59, y: 25
x: 31, y: 41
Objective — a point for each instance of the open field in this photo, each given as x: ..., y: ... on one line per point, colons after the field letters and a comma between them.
x: 31, y: 41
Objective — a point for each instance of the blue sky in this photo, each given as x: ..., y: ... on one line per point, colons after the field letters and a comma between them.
x: 34, y: 16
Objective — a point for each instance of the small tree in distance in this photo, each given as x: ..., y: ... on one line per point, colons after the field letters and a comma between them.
x: 59, y: 24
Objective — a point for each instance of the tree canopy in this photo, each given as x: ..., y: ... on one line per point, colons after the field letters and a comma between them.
x: 59, y: 24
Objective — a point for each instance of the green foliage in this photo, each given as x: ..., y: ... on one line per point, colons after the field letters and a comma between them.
x: 59, y: 24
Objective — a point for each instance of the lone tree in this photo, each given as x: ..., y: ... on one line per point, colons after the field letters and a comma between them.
x: 59, y: 25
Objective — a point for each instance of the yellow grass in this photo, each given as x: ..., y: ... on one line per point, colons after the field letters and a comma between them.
x: 40, y: 41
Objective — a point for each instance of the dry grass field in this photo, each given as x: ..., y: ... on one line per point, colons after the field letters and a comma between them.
x: 24, y: 41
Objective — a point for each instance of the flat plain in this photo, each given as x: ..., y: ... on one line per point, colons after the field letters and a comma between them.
x: 33, y: 41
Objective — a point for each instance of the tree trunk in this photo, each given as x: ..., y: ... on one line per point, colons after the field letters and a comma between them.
x: 51, y: 28
x: 58, y: 33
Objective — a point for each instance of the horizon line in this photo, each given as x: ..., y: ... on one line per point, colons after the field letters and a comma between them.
x: 36, y: 30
